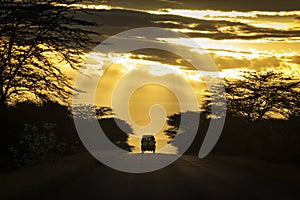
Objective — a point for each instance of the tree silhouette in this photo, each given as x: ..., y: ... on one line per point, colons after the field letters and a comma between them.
x: 250, y: 128
x: 216, y: 97
x: 90, y: 112
x: 115, y: 134
x: 259, y: 95
x: 35, y: 40
x: 178, y: 130
x: 173, y: 122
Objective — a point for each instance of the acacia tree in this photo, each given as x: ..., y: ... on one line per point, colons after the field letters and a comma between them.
x: 36, y: 38
x: 259, y: 95
x: 216, y: 96
x: 90, y: 112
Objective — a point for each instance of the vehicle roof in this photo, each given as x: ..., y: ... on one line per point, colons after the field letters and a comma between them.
x: 147, y: 136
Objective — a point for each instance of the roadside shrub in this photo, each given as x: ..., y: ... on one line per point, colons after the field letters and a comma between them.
x: 36, y: 144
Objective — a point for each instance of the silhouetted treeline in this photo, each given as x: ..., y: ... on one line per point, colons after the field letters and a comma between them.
x: 115, y: 134
x: 255, y: 96
x: 273, y: 139
x: 31, y: 133
x: 262, y: 117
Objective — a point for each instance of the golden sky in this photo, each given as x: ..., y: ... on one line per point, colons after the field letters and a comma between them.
x: 238, y: 35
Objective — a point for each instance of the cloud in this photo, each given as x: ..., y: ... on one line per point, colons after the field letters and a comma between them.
x: 229, y: 51
x: 265, y: 5
x: 161, y: 56
x: 265, y: 63
x: 229, y: 62
x: 296, y: 59
x: 221, y: 61
x: 116, y: 20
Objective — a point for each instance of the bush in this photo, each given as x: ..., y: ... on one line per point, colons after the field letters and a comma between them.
x: 35, y: 144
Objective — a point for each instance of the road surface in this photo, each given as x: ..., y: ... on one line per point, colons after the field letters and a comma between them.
x: 187, y: 178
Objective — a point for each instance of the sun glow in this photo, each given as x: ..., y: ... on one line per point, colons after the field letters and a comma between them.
x: 200, y: 14
x: 272, y: 25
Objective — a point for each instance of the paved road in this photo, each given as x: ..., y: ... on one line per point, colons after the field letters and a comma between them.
x: 187, y: 178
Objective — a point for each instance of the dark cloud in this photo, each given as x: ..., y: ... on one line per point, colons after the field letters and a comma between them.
x: 229, y: 62
x: 239, y: 5
x: 296, y: 59
x: 265, y: 63
x: 291, y: 59
x: 222, y: 62
x: 227, y: 50
x: 115, y: 20
x: 162, y: 57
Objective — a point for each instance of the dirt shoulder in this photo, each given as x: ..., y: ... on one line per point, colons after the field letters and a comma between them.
x: 46, y: 178
x: 34, y: 179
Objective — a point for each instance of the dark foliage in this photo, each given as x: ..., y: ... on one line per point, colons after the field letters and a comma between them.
x: 257, y: 96
x: 250, y: 129
x: 36, y: 39
x: 89, y: 112
x: 63, y: 135
x: 272, y: 140
x: 174, y: 121
x: 115, y: 134
x: 15, y: 119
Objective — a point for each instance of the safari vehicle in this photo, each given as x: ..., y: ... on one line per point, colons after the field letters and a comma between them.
x: 148, y: 143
